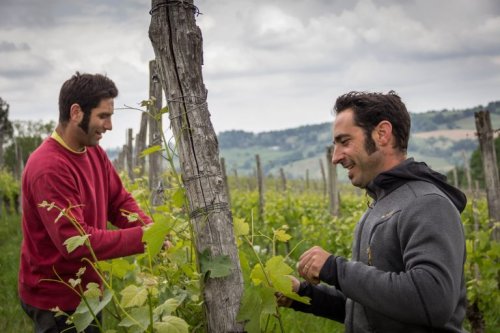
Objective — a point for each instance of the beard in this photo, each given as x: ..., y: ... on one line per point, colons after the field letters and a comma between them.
x: 84, y: 124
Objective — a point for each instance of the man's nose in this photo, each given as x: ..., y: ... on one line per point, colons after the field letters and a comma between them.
x: 108, y: 125
x: 336, y: 155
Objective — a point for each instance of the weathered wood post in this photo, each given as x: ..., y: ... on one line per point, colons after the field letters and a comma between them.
x: 283, y: 179
x: 236, y: 180
x: 155, y: 134
x: 332, y: 183
x: 489, y: 158
x: 130, y: 154
x: 177, y: 44
x: 224, y: 177
x: 467, y: 172
x: 140, y: 144
x: 455, y: 177
x: 307, y: 179
x: 323, y: 176
x: 260, y: 187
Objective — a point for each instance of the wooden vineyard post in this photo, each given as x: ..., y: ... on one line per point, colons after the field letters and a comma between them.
x: 155, y: 134
x: 455, y: 177
x: 323, y: 176
x: 332, y: 183
x: 467, y: 173
x: 177, y: 44
x: 489, y: 158
x: 283, y: 179
x: 224, y: 177
x: 140, y: 144
x: 260, y: 187
x: 130, y: 154
x: 236, y: 180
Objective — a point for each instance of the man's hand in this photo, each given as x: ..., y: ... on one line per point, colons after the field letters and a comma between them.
x: 167, y: 244
x: 282, y: 299
x: 311, y: 262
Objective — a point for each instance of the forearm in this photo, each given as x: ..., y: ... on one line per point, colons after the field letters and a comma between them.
x: 326, y: 301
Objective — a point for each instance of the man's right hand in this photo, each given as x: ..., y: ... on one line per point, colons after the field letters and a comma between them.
x: 282, y: 299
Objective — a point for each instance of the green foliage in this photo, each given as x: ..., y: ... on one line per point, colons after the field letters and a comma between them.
x: 214, y: 266
x: 482, y: 268
x: 28, y: 135
x: 9, y: 192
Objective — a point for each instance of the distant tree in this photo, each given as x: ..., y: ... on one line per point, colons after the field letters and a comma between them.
x: 476, y: 167
x: 6, y: 129
x: 28, y: 136
x: 476, y: 163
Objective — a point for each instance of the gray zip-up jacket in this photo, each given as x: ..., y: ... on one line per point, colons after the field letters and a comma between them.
x: 406, y: 273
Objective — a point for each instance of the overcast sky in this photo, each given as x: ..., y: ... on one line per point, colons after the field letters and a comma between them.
x: 269, y: 64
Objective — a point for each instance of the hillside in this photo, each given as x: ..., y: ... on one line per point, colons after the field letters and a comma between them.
x: 438, y: 137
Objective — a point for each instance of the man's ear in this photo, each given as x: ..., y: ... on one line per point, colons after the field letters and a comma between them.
x: 76, y: 113
x: 383, y: 133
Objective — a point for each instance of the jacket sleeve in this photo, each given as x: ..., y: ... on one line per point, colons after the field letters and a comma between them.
x: 326, y: 301
x: 433, y: 251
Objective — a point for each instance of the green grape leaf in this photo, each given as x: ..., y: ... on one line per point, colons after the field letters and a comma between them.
x: 167, y: 307
x: 250, y: 310
x: 178, y: 197
x: 155, y: 235
x: 150, y: 150
x: 133, y: 296
x: 257, y: 275
x: 215, y: 267
x: 268, y: 300
x: 73, y: 242
x: 93, y: 290
x: 171, y: 324
x: 241, y: 228
x: 281, y: 235
x: 83, y: 317
x: 118, y: 267
x: 276, y: 271
x: 140, y: 317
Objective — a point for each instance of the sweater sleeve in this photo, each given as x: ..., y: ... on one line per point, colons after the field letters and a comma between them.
x: 60, y: 190
x: 433, y: 248
x: 121, y: 200
x: 326, y: 301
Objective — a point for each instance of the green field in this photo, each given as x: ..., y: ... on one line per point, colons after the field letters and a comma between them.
x: 12, y: 317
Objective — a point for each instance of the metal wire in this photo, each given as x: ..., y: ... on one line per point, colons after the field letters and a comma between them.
x: 166, y: 3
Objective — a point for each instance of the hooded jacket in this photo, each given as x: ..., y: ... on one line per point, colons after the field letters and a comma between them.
x: 406, y: 272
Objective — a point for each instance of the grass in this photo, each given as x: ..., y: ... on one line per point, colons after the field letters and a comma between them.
x: 12, y: 317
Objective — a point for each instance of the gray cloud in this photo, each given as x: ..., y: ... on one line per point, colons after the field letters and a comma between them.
x: 267, y: 64
x: 12, y: 47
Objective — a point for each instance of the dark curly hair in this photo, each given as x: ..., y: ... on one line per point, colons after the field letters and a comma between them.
x: 86, y: 90
x: 372, y: 108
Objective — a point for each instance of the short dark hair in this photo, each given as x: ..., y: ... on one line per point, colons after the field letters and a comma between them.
x: 86, y: 90
x: 372, y: 108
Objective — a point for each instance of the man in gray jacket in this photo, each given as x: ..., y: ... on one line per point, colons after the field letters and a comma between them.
x: 406, y: 272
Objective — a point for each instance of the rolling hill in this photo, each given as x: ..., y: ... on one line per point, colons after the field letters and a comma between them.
x: 440, y: 138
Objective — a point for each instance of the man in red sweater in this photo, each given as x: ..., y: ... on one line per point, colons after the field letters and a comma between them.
x: 70, y: 169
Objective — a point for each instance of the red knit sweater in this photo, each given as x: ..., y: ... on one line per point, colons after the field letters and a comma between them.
x: 89, y: 182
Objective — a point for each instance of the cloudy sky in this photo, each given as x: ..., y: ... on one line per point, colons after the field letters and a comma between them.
x: 269, y: 64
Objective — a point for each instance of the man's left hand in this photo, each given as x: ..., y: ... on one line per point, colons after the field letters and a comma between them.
x: 311, y: 262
